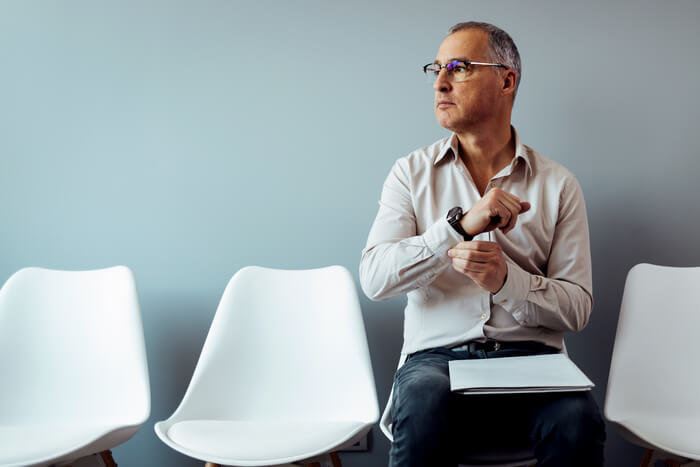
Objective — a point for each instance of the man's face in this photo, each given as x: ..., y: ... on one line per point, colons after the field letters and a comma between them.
x: 459, y: 106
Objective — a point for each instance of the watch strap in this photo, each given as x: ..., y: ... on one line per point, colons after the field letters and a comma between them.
x: 454, y: 216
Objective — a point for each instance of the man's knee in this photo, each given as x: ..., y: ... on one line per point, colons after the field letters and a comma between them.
x: 578, y: 418
x: 421, y: 387
x: 573, y: 424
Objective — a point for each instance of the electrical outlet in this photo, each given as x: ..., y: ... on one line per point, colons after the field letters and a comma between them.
x: 360, y: 445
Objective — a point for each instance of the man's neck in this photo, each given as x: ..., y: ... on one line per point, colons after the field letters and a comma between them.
x: 486, y: 152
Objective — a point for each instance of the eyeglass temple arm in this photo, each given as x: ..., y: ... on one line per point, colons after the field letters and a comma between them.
x: 488, y: 64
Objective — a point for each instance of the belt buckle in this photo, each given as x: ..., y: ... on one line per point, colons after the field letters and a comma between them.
x: 494, y: 345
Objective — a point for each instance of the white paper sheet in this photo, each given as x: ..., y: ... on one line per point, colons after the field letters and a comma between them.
x: 536, y: 373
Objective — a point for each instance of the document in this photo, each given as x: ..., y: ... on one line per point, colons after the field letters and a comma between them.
x: 506, y: 375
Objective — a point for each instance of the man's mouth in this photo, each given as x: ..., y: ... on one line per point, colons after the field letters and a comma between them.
x: 441, y: 104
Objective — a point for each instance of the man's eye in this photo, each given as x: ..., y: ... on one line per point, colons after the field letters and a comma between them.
x: 460, y: 69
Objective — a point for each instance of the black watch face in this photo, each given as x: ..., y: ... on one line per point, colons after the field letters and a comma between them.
x: 454, y: 213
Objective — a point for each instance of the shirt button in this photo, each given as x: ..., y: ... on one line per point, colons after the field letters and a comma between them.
x: 483, y: 316
x: 493, y: 184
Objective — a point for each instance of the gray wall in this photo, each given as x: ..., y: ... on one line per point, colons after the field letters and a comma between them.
x: 189, y: 139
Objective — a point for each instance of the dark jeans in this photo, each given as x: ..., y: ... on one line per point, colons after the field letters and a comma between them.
x: 432, y: 426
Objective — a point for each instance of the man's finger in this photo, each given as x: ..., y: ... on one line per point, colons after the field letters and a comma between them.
x: 481, y: 245
x: 512, y: 203
x: 508, y: 214
x: 477, y: 245
x: 501, y: 195
x: 461, y: 265
x: 471, y: 255
x: 520, y: 208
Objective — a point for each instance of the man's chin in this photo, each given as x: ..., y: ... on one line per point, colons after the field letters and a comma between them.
x: 456, y: 125
x: 446, y: 123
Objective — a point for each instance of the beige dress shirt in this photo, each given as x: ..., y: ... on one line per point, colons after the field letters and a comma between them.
x: 548, y: 289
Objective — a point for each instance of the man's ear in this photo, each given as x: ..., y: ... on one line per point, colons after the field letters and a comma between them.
x: 509, y: 81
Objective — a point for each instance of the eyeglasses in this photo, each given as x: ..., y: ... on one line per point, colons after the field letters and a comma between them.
x: 457, y: 70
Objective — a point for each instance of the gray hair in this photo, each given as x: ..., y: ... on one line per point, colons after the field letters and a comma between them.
x: 502, y: 48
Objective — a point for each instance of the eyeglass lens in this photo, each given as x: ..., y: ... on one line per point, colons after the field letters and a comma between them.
x: 456, y: 71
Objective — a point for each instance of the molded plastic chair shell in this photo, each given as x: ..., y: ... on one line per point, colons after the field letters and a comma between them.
x: 284, y: 374
x: 654, y: 383
x: 72, y: 362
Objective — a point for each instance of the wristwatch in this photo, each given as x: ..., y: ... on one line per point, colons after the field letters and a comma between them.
x: 454, y: 216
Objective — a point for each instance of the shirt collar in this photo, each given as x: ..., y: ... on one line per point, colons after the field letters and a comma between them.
x: 449, y: 148
x: 451, y: 145
x: 522, y: 152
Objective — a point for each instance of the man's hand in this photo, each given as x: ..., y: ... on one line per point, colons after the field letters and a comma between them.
x: 496, y: 210
x: 483, y: 262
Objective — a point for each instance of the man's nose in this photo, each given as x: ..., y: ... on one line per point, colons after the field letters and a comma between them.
x: 442, y: 82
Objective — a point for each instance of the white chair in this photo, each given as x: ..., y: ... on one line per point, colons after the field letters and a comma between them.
x: 284, y: 375
x: 504, y: 457
x: 653, y: 393
x: 72, y: 363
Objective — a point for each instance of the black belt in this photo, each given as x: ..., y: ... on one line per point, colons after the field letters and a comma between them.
x: 492, y: 345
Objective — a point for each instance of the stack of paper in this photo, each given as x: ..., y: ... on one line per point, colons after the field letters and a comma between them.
x: 536, y: 373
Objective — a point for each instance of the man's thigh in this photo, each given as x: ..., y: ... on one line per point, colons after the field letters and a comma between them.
x: 422, y: 378
x: 521, y: 420
x: 492, y: 420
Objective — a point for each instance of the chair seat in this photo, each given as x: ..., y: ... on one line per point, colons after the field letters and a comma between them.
x: 672, y: 434
x: 261, y: 442
x: 31, y: 444
x: 498, y: 456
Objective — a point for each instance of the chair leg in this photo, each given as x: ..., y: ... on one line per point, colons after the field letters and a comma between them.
x: 647, y: 458
x: 335, y: 459
x: 108, y: 459
x: 314, y: 464
x: 211, y: 464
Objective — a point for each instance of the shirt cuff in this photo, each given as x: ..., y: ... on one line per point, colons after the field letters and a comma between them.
x: 440, y: 237
x: 514, y: 291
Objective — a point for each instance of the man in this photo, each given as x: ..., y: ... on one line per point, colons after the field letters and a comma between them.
x: 489, y: 240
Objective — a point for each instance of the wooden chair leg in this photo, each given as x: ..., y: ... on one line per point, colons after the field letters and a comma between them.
x: 211, y: 464
x: 647, y: 458
x: 335, y: 459
x: 108, y: 459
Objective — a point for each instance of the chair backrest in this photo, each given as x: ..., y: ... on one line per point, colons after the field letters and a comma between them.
x: 72, y: 348
x: 654, y: 369
x: 284, y: 345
